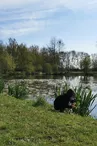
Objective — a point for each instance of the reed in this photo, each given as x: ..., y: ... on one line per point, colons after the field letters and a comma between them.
x: 18, y: 90
x: 84, y: 100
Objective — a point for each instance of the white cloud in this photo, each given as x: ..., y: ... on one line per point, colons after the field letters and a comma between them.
x: 19, y: 22
x: 15, y: 3
x: 20, y: 17
x: 71, y: 4
x: 25, y: 13
x: 20, y: 29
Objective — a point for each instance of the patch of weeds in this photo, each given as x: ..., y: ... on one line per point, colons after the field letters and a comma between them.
x: 40, y: 101
x: 18, y: 90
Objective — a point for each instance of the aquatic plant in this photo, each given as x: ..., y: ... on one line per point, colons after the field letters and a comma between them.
x: 84, y: 100
x: 61, y: 89
x: 18, y: 90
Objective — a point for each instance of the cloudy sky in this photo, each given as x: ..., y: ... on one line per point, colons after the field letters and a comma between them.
x: 37, y: 21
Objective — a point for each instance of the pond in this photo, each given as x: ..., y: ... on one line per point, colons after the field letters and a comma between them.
x: 45, y: 86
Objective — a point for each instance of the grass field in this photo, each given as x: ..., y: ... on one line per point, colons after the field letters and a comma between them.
x: 22, y: 124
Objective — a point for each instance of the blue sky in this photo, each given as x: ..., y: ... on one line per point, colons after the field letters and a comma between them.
x: 37, y: 21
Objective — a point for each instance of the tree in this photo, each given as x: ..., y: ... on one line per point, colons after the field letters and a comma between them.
x: 24, y: 59
x: 6, y: 63
x: 94, y: 63
x: 60, y: 45
x: 47, y: 68
x: 85, y: 64
x: 54, y: 48
x: 12, y: 47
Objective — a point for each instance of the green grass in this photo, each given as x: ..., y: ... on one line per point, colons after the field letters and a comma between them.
x: 22, y: 124
x: 40, y: 101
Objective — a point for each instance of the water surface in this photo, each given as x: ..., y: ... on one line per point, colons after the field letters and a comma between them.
x: 45, y: 86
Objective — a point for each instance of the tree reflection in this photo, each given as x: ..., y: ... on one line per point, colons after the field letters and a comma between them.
x: 85, y: 79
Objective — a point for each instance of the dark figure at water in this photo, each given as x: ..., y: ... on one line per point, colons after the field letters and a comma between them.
x: 67, y: 100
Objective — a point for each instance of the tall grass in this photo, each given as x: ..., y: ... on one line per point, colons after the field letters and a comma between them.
x: 40, y: 101
x: 18, y: 90
x: 84, y: 100
x: 61, y: 89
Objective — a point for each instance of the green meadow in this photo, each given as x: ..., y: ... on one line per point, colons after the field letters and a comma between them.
x: 23, y: 123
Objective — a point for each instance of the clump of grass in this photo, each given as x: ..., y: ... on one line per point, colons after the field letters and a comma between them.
x: 40, y: 101
x: 84, y: 100
x: 2, y: 126
x: 2, y: 84
x: 18, y: 90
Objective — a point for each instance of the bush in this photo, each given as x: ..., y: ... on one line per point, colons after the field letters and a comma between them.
x: 18, y: 90
x: 1, y: 85
x: 84, y: 100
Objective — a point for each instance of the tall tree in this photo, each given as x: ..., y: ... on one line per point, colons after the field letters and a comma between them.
x: 24, y: 59
x: 6, y: 63
x: 85, y: 64
x: 12, y: 47
x: 94, y: 64
x: 60, y: 45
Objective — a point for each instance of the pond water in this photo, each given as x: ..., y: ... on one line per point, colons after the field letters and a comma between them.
x: 45, y: 86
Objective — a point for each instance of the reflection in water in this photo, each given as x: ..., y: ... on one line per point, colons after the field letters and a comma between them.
x: 85, y: 79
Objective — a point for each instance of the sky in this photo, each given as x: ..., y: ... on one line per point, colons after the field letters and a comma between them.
x: 37, y: 21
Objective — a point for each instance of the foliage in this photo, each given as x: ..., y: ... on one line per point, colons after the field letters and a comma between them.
x: 61, y: 89
x: 16, y: 57
x: 94, y: 64
x: 84, y: 100
x: 6, y: 63
x: 18, y: 90
x: 55, y: 68
x: 85, y: 64
x: 47, y: 68
x: 2, y: 84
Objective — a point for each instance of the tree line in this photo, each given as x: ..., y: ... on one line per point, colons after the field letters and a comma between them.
x: 15, y: 57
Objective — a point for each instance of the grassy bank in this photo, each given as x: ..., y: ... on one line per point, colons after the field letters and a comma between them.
x: 22, y: 124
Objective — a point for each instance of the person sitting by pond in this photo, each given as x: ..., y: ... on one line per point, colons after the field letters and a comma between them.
x: 66, y: 100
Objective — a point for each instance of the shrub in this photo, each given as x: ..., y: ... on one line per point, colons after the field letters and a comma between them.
x: 84, y: 100
x: 1, y: 85
x: 18, y: 90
